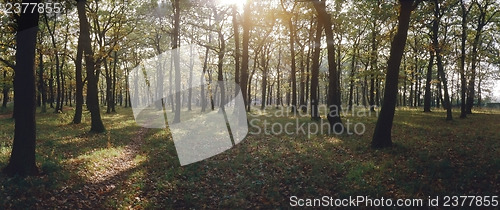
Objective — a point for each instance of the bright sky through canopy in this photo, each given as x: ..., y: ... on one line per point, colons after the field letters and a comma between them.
x: 239, y: 3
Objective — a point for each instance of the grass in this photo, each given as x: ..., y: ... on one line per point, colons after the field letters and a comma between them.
x: 430, y: 157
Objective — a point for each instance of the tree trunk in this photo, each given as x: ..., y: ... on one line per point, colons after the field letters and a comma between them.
x: 220, y: 77
x: 77, y: 119
x: 264, y: 79
x: 293, y: 69
x: 244, y: 62
x: 351, y: 76
x: 41, y: 82
x: 190, y: 82
x: 278, y: 87
x: 428, y: 93
x: 5, y: 90
x: 176, y: 50
x: 382, y: 134
x: 315, y: 73
x: 236, y: 48
x: 437, y: 48
x: 333, y: 86
x: 113, y: 87
x: 92, y: 77
x: 22, y: 160
x: 302, y: 101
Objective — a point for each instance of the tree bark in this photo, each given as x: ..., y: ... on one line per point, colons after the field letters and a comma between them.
x: 382, y: 134
x: 428, y: 93
x: 77, y: 119
x: 437, y: 49
x: 293, y: 70
x: 333, y: 78
x: 176, y: 50
x: 92, y: 78
x: 315, y: 73
x: 244, y: 62
x: 22, y: 160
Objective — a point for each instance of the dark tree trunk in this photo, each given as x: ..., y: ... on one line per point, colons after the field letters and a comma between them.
x: 203, y: 98
x: 51, y: 87
x: 264, y: 79
x: 22, y: 160
x: 77, y: 119
x: 108, y: 78
x: 373, y: 69
x: 293, y: 69
x: 437, y: 48
x: 220, y: 78
x: 351, y: 76
x: 244, y: 61
x: 302, y: 101
x: 333, y: 78
x: 58, y: 107
x: 92, y: 77
x: 41, y: 82
x: 175, y: 47
x: 278, y: 87
x: 382, y: 134
x: 428, y: 93
x: 315, y: 73
x: 5, y: 90
x: 236, y: 48
x: 115, y: 61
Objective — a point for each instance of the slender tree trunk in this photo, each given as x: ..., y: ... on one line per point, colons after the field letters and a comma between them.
x: 351, y: 76
x: 302, y: 101
x: 77, y: 119
x: 278, y: 87
x: 315, y: 73
x: 190, y: 82
x: 244, y: 63
x: 382, y: 134
x: 437, y: 48
x: 108, y: 78
x: 236, y: 50
x: 428, y: 93
x: 220, y: 77
x: 41, y: 82
x: 176, y: 50
x: 113, y: 87
x: 373, y: 68
x: 22, y: 160
x: 5, y: 90
x: 293, y: 69
x: 264, y: 79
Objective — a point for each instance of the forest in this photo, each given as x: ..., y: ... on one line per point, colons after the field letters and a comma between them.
x: 164, y: 104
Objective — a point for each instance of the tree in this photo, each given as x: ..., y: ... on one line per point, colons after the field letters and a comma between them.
x: 463, y: 38
x: 382, y: 135
x: 22, y: 160
x: 77, y: 119
x: 293, y: 70
x: 315, y: 73
x: 438, y: 13
x: 245, y: 54
x: 92, y: 77
x: 485, y: 16
x: 333, y: 77
x: 176, y: 54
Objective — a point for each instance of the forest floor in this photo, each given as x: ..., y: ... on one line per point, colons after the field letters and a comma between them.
x: 133, y: 167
